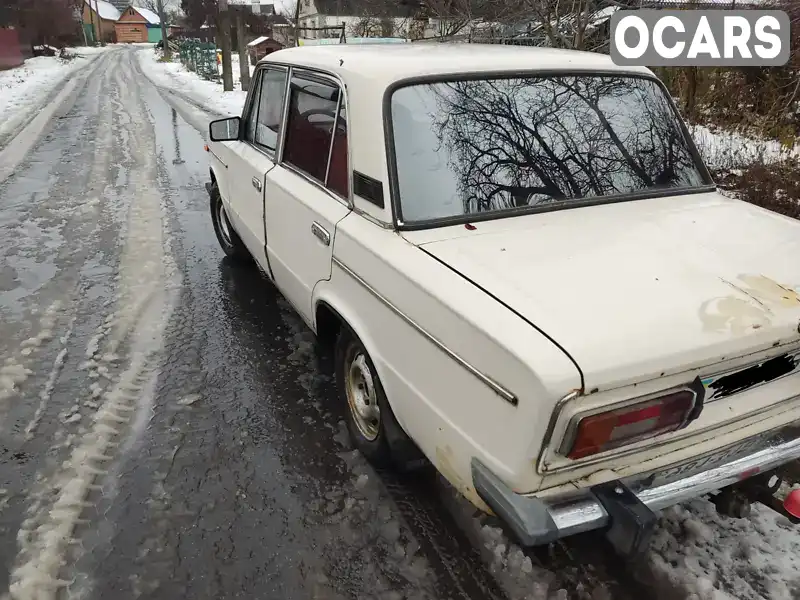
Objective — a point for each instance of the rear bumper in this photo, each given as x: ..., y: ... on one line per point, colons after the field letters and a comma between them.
x: 538, y: 521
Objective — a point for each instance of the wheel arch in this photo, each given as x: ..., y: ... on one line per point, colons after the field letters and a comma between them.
x: 331, y: 315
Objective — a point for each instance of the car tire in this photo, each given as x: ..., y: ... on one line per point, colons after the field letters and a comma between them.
x: 372, y: 426
x: 228, y: 239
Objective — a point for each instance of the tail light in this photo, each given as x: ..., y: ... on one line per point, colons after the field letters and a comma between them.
x: 615, y: 428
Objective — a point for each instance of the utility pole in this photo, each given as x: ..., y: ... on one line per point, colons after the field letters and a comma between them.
x: 99, y: 22
x: 297, y: 22
x: 162, y: 17
x: 224, y: 31
x: 241, y: 42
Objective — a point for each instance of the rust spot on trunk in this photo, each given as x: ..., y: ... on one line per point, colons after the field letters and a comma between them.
x: 752, y: 308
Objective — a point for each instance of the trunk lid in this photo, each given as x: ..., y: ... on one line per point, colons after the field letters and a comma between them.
x: 636, y: 290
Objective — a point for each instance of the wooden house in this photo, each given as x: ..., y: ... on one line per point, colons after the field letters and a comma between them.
x: 99, y: 18
x: 138, y: 25
x: 262, y: 46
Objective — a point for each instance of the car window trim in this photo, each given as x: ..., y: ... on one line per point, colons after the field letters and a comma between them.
x: 271, y: 154
x: 321, y: 81
x: 248, y: 105
x: 333, y: 136
x: 326, y: 78
x: 391, y: 157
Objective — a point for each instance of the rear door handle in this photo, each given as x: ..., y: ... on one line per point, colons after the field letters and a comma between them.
x: 257, y: 183
x: 321, y: 233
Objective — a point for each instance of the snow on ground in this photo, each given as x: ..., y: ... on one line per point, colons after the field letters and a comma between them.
x: 702, y: 555
x: 24, y: 89
x: 731, y: 150
x: 209, y: 94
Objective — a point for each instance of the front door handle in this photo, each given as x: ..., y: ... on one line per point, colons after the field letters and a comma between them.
x: 257, y: 183
x: 320, y: 232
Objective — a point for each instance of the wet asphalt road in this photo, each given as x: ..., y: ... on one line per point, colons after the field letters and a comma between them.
x: 168, y: 428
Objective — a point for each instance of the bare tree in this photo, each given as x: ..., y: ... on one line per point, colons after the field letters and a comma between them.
x: 170, y: 8
x: 454, y: 17
x: 224, y: 35
x: 241, y: 42
x: 366, y: 26
x: 564, y: 23
x: 451, y: 16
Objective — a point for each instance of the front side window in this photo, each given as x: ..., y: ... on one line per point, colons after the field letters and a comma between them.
x: 316, y: 133
x: 270, y: 107
x: 482, y: 146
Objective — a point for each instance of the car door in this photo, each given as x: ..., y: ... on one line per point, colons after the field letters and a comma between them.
x: 229, y: 155
x: 308, y: 193
x: 256, y: 157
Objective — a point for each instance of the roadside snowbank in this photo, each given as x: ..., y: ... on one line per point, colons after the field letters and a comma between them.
x: 731, y: 150
x: 702, y: 555
x: 208, y: 94
x: 24, y: 89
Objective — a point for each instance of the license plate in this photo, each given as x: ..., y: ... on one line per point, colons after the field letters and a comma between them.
x: 725, y: 455
x: 738, y: 380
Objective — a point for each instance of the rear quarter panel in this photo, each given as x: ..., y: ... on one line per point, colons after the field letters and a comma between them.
x: 450, y: 413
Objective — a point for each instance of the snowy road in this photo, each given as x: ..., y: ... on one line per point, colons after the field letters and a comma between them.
x: 167, y: 429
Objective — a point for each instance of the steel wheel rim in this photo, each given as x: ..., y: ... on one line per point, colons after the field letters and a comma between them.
x: 224, y: 226
x: 362, y: 399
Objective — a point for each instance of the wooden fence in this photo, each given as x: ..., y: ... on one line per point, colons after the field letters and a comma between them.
x: 13, y: 51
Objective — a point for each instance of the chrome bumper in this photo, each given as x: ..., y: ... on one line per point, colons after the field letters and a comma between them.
x: 538, y: 521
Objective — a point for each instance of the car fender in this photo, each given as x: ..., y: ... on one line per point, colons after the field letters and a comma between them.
x: 326, y: 293
x: 218, y: 171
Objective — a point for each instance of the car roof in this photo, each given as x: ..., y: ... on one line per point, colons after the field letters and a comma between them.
x: 385, y: 64
x: 368, y: 70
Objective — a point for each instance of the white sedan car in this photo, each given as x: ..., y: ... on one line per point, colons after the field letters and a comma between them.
x: 528, y: 276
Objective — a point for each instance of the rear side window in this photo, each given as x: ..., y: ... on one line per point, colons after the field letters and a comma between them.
x: 521, y: 143
x: 316, y: 133
x: 270, y: 108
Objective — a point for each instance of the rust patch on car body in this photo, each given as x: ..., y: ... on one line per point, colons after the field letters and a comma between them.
x: 752, y: 308
x: 444, y: 464
x: 770, y: 291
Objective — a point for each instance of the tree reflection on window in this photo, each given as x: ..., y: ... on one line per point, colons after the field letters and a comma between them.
x: 486, y: 145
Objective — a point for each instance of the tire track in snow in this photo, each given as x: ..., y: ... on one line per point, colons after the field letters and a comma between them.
x: 46, y: 394
x: 15, y: 371
x: 146, y: 295
x: 17, y: 368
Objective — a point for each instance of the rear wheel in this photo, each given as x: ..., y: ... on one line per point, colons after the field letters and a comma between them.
x: 228, y: 239
x: 373, y: 428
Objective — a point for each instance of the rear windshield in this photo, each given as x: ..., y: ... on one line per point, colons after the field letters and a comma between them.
x: 475, y: 146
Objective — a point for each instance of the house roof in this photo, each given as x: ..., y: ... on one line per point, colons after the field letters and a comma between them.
x: 276, y: 19
x: 149, y: 15
x: 106, y: 10
x: 120, y: 5
x: 258, y: 41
